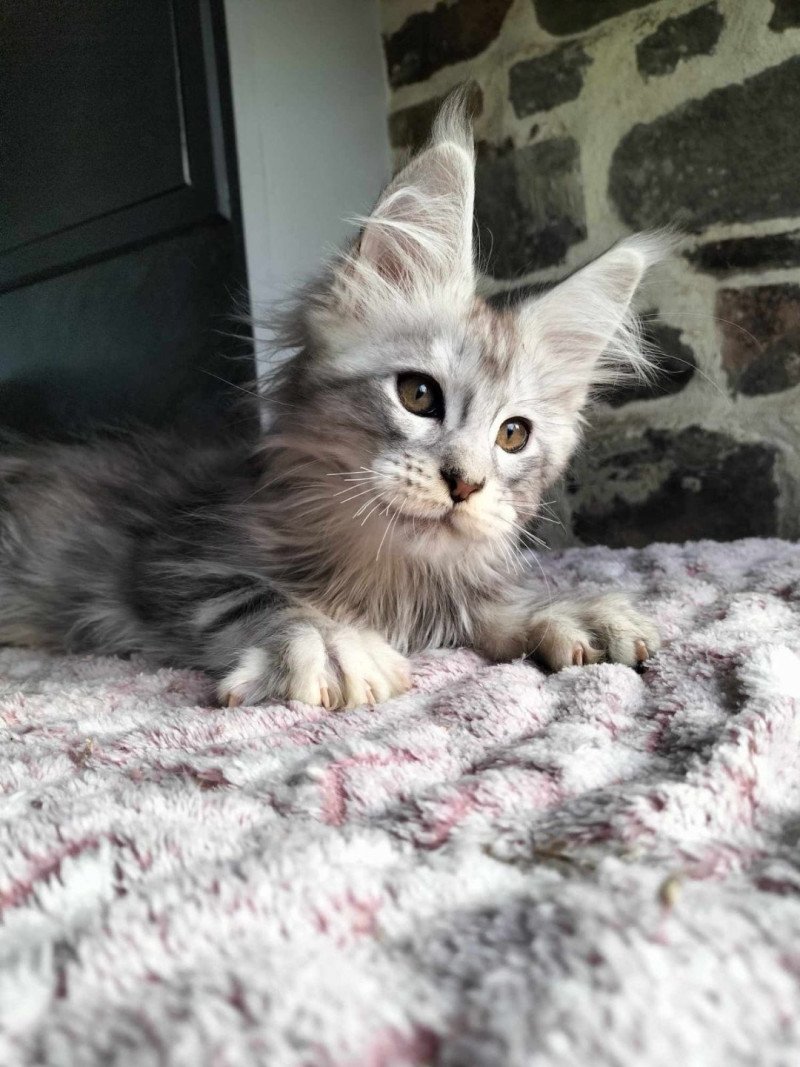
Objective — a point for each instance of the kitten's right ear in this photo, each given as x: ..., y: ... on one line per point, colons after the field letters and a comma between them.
x: 418, y: 240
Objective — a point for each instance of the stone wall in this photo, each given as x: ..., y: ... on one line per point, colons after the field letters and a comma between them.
x: 595, y: 118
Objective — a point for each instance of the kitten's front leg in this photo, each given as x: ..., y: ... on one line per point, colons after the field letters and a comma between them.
x: 570, y: 632
x: 304, y: 655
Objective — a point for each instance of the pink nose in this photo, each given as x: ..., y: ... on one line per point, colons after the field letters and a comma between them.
x: 460, y: 490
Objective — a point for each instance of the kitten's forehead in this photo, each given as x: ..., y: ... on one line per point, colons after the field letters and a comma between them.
x: 480, y: 341
x: 474, y: 351
x: 497, y: 334
x: 482, y: 351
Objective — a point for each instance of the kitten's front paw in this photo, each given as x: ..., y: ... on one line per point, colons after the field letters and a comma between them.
x: 574, y: 633
x: 330, y: 665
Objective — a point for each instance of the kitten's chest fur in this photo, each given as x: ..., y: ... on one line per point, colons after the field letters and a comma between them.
x: 413, y: 602
x: 415, y: 607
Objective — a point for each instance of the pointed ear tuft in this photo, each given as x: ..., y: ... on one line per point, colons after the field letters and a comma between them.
x: 453, y: 123
x: 583, y: 334
x: 418, y: 239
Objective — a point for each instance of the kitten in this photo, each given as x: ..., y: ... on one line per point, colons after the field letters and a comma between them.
x: 415, y: 431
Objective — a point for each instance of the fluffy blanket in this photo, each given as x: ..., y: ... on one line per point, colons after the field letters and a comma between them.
x: 502, y: 868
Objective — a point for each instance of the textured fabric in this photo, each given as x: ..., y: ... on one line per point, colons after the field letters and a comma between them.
x: 500, y: 868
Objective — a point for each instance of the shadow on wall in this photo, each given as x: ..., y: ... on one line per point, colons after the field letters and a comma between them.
x: 594, y: 120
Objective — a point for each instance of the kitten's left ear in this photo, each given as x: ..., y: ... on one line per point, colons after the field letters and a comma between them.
x: 582, y: 333
x: 418, y: 239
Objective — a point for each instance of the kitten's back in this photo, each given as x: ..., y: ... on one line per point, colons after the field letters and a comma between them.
x: 80, y: 523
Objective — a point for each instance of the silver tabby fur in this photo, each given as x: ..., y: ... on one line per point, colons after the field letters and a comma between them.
x: 309, y: 569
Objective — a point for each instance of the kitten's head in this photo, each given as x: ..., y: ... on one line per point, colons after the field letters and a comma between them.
x: 446, y: 419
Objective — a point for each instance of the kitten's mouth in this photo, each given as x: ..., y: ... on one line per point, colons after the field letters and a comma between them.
x: 455, y: 525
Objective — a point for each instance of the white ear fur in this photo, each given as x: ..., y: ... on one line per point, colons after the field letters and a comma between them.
x: 418, y: 239
x: 582, y: 333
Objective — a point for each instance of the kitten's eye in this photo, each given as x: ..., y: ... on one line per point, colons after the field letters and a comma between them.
x: 513, y: 435
x: 420, y: 395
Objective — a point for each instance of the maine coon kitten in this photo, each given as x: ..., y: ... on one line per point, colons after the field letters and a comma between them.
x: 415, y: 429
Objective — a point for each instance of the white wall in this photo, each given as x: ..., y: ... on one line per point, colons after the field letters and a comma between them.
x: 310, y: 104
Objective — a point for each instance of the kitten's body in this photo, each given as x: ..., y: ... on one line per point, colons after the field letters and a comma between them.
x: 165, y: 546
x: 360, y: 530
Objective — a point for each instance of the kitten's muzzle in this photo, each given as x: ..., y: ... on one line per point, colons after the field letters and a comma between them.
x: 459, y: 488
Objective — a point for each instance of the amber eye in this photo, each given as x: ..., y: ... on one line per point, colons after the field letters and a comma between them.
x: 420, y: 395
x: 513, y: 435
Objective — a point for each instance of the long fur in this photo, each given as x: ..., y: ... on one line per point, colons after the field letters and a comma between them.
x: 305, y: 568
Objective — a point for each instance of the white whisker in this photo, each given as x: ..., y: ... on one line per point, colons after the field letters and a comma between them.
x: 367, y: 503
x: 351, y: 489
x: 374, y: 508
x: 380, y: 546
x: 343, y: 474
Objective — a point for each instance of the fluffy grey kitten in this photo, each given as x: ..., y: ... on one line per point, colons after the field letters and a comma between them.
x: 415, y: 432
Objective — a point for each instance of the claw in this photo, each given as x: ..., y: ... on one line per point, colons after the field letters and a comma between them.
x: 234, y: 700
x: 325, y: 697
x: 371, y: 697
x: 640, y: 650
x: 578, y: 656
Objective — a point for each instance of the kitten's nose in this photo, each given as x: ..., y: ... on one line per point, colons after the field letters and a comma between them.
x: 459, y: 488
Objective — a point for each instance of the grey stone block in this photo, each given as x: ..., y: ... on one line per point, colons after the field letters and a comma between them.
x: 673, y: 486
x: 760, y: 327
x: 544, y: 82
x: 529, y: 205
x: 738, y: 254
x: 786, y: 15
x: 731, y: 156
x: 564, y: 17
x: 693, y: 34
x: 450, y: 33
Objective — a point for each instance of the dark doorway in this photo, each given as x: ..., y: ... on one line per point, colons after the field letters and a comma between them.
x: 121, y: 250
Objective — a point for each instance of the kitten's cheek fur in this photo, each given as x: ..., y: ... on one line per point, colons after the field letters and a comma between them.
x: 328, y: 665
x: 576, y: 633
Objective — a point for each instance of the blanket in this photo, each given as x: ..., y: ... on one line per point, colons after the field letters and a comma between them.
x: 502, y: 867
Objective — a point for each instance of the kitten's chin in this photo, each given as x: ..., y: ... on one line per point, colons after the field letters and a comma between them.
x: 441, y: 533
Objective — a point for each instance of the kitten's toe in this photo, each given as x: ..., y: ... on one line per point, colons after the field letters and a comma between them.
x: 284, y: 669
x: 627, y: 635
x: 371, y: 670
x: 243, y: 684
x: 391, y: 673
x: 584, y: 652
x: 559, y: 640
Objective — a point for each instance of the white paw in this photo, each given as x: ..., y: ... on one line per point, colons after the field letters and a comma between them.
x: 579, y: 632
x: 330, y: 665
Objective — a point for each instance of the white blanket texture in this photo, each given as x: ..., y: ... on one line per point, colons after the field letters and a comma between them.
x: 503, y: 867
